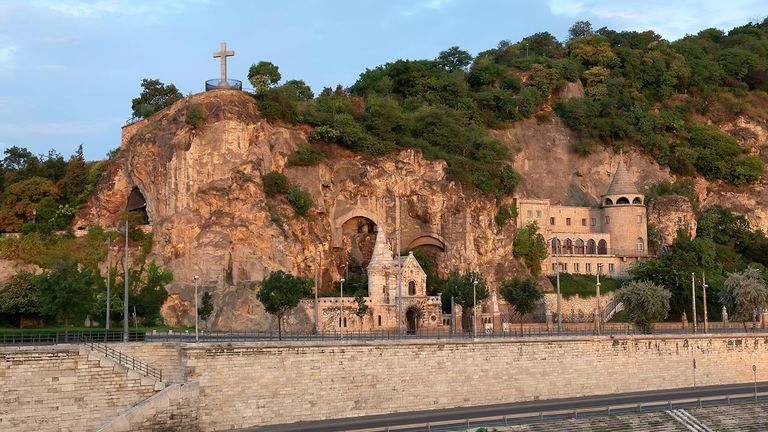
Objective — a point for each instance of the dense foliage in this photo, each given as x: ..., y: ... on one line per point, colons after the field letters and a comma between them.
x: 584, y: 285
x: 645, y: 303
x: 745, y: 294
x: 724, y: 244
x: 530, y: 245
x: 464, y: 288
x: 155, y: 96
x: 41, y: 193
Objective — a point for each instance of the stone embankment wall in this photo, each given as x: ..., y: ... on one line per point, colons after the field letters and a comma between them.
x: 172, y: 409
x: 248, y: 385
x: 63, y: 388
x: 253, y: 384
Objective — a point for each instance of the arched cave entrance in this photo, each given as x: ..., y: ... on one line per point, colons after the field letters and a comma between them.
x: 358, y: 238
x: 138, y: 205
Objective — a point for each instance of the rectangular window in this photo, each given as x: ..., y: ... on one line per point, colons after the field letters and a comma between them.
x: 564, y: 267
x: 530, y: 213
x: 588, y: 268
x: 554, y: 269
x: 599, y: 268
x: 594, y: 221
x: 575, y: 267
x: 583, y: 222
x: 610, y: 268
x: 568, y: 221
x: 538, y: 214
x: 607, y: 220
x: 551, y: 221
x: 639, y: 219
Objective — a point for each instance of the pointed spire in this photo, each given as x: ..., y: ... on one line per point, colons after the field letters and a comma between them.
x: 622, y: 181
x: 382, y: 253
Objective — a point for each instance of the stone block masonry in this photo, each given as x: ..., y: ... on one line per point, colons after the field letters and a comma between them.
x: 249, y: 385
x: 253, y: 384
x: 62, y: 388
x: 173, y: 409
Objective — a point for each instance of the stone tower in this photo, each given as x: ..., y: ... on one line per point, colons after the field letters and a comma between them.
x: 624, y: 215
x: 380, y: 270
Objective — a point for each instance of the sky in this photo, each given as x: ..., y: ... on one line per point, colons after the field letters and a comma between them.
x: 69, y: 68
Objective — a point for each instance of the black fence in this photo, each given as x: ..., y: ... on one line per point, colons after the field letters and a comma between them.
x: 125, y: 360
x: 23, y: 338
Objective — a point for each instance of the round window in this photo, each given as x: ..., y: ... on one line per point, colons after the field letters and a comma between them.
x: 433, y: 318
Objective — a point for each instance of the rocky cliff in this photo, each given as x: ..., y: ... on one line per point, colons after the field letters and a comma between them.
x: 210, y: 215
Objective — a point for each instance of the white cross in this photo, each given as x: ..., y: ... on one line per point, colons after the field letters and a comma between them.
x: 223, y: 53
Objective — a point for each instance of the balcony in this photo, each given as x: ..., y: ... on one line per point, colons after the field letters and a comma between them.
x: 217, y: 84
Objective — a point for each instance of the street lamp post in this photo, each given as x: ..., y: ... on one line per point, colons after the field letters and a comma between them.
x: 754, y: 377
x: 197, y: 337
x: 317, y: 287
x: 341, y: 310
x: 693, y: 298
x: 125, y: 290
x: 598, y: 316
x: 109, y: 282
x: 526, y: 50
x: 474, y: 308
x: 704, y: 286
x: 557, y: 272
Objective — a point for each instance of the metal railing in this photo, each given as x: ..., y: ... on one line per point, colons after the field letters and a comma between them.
x: 231, y: 84
x: 52, y: 338
x: 125, y: 360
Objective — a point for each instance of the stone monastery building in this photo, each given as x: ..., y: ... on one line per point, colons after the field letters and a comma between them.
x: 607, y: 239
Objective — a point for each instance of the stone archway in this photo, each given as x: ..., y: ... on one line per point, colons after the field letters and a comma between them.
x: 136, y: 203
x: 412, y: 320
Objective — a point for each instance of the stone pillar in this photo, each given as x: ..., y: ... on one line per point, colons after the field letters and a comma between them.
x: 725, y: 315
x: 684, y: 320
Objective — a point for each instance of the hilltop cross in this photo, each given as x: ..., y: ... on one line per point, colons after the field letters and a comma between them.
x: 223, y: 53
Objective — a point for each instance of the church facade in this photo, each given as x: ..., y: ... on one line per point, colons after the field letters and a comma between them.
x: 607, y: 239
x: 417, y: 309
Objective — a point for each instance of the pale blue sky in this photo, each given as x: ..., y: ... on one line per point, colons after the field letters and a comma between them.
x: 69, y: 68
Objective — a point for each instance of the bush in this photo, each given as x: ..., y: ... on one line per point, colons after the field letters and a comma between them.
x: 505, y: 213
x: 306, y: 155
x: 300, y: 200
x: 325, y: 134
x: 275, y: 184
x: 195, y: 116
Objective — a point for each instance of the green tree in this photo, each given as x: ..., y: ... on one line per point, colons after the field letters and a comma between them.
x: 20, y: 200
x: 531, y: 247
x: 280, y: 292
x: 263, y: 75
x: 75, y: 178
x: 645, y: 303
x: 206, y: 307
x: 66, y: 291
x: 149, y: 293
x: 580, y: 29
x: 522, y: 294
x: 454, y: 58
x: 744, y: 295
x: 463, y: 289
x: 297, y: 89
x: 361, y: 308
x: 154, y: 97
x: 19, y: 296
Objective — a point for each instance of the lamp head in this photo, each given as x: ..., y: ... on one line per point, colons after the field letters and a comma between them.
x: 196, y: 277
x: 342, y: 280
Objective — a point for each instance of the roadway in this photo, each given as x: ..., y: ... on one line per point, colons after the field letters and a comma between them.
x: 525, y: 412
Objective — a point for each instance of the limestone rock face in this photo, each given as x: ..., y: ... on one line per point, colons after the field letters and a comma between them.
x: 670, y: 214
x: 210, y: 215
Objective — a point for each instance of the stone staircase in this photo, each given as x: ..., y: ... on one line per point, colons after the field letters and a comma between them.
x: 112, y: 359
x: 612, y: 309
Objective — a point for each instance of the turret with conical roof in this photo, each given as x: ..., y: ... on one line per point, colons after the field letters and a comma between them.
x: 380, y: 269
x: 624, y: 215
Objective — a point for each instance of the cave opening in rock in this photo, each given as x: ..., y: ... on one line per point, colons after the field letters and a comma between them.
x: 138, y: 205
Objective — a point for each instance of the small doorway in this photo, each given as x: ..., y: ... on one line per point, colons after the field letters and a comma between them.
x: 411, y: 319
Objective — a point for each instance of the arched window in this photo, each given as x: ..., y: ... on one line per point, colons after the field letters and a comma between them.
x: 411, y: 288
x: 639, y: 245
x: 578, y: 247
x: 556, y: 246
x: 568, y: 246
x: 602, y: 247
x: 622, y: 200
x: 637, y: 200
x: 608, y: 201
x: 591, y: 248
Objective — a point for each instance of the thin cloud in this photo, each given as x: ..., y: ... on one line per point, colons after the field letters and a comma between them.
x: 670, y: 19
x: 8, y: 58
x: 86, y: 9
